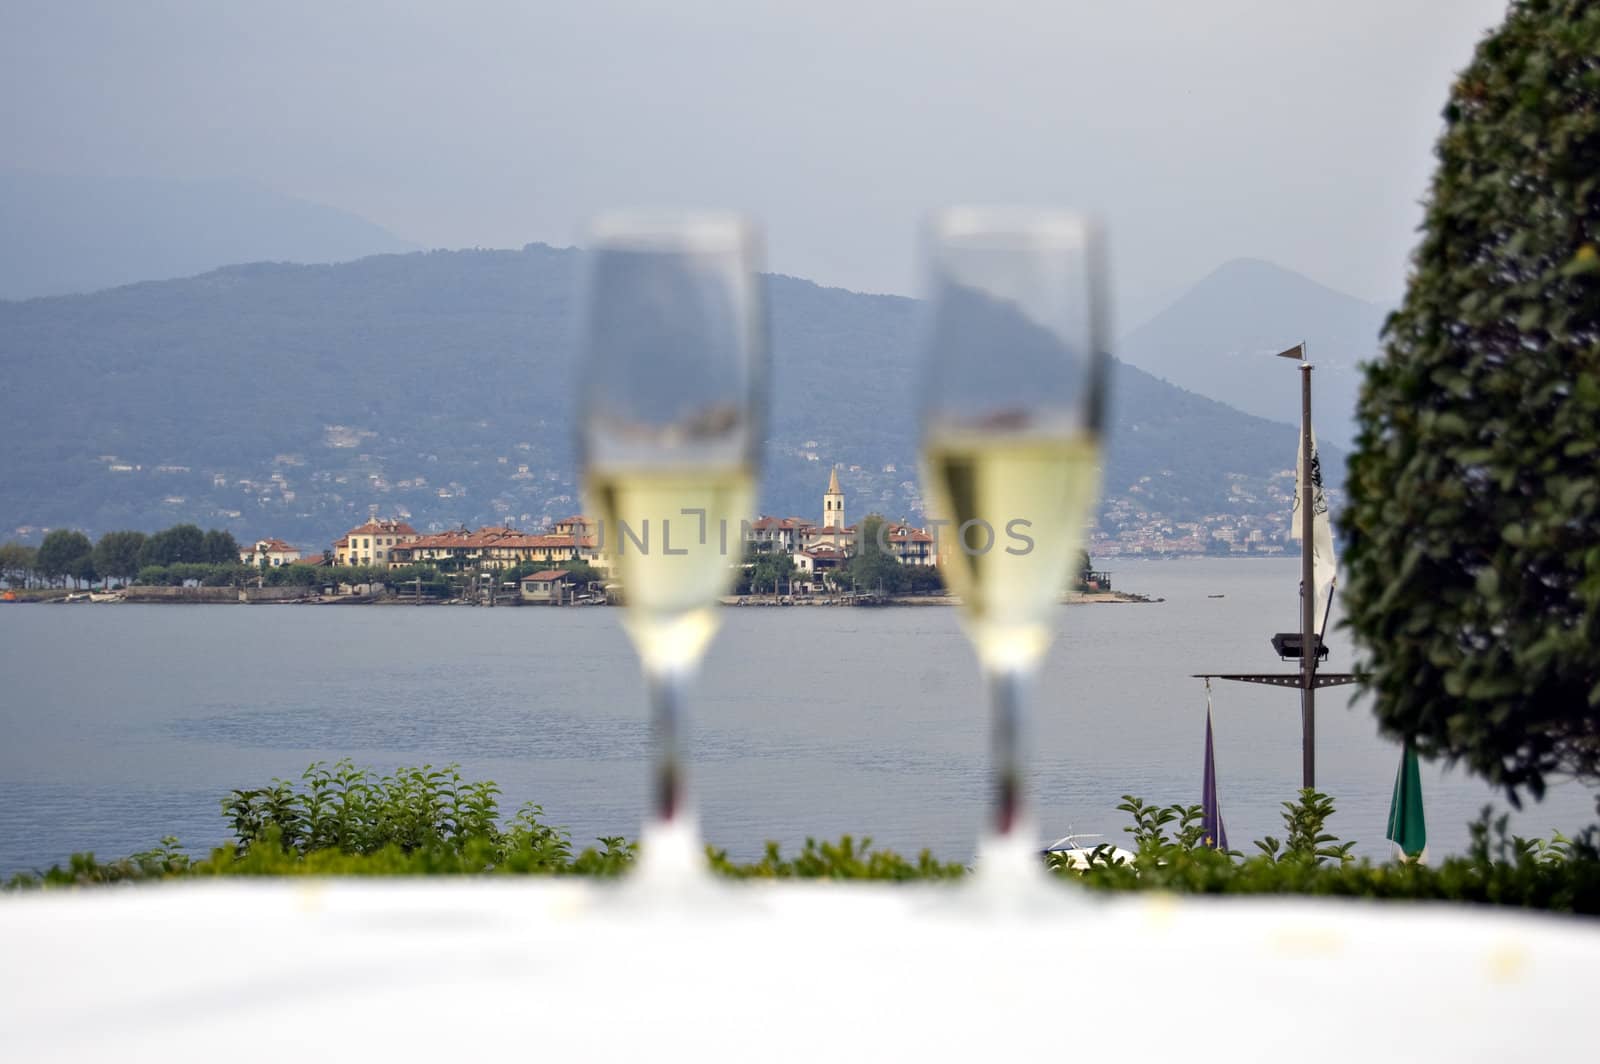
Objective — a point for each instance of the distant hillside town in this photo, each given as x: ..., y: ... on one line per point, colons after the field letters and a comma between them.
x: 1131, y: 524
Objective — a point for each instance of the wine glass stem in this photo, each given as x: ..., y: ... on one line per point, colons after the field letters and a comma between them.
x: 1008, y: 695
x: 666, y: 687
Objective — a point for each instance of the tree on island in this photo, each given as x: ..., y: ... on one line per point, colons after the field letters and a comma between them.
x: 582, y: 572
x: 220, y: 548
x: 922, y: 579
x: 116, y: 555
x: 873, y: 568
x: 66, y: 555
x: 772, y: 571
x: 1473, y: 562
x: 295, y: 574
x: 18, y: 563
x: 1078, y: 579
x: 176, y: 545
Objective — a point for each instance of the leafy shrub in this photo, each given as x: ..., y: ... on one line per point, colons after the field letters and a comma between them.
x: 154, y: 576
x: 1500, y: 869
x: 356, y: 813
x: 844, y: 859
x: 340, y: 820
x: 1473, y: 522
x: 293, y: 575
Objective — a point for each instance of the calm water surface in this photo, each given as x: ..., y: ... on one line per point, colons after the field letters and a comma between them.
x: 122, y: 724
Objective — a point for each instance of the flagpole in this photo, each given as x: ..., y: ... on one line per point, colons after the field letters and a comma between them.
x: 1308, y: 605
x: 1306, y: 678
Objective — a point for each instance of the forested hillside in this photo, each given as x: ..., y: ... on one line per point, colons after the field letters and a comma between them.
x: 292, y: 400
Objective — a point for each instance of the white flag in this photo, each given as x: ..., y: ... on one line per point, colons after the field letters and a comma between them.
x: 1323, y: 564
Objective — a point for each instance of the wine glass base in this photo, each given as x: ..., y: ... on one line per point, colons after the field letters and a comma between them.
x: 672, y: 878
x: 1009, y: 874
x: 671, y: 855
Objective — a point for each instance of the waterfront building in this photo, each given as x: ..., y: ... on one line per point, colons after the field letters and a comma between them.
x: 576, y: 525
x: 812, y: 563
x: 372, y: 543
x: 910, y: 546
x: 499, y: 548
x: 274, y: 552
x: 458, y: 548
x: 551, y: 586
x: 776, y: 534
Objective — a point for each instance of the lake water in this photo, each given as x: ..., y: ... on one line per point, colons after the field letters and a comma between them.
x: 122, y: 724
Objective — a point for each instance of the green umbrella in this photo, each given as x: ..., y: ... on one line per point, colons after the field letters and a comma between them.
x: 1408, y: 829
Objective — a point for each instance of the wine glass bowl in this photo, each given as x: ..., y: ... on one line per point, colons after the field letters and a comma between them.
x: 673, y: 365
x: 1011, y: 409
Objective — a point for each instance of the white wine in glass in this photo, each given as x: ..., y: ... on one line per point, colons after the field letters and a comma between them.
x: 671, y: 577
x: 1035, y: 492
x: 673, y: 364
x: 1013, y: 392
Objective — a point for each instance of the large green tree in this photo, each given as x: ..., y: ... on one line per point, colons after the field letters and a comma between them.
x: 771, y: 571
x: 874, y: 568
x: 116, y: 554
x: 17, y: 564
x: 1473, y: 564
x: 923, y: 578
x: 66, y: 554
x: 180, y: 544
x: 220, y: 548
x: 582, y: 571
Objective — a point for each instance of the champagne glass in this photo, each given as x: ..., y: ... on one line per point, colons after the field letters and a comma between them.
x: 1012, y: 401
x: 673, y: 370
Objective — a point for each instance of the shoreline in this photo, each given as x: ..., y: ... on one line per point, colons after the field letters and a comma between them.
x: 232, y: 597
x: 1077, y: 599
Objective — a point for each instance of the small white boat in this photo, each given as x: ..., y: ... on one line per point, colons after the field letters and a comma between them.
x: 1078, y: 855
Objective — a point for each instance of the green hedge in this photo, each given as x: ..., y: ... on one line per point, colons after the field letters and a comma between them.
x: 342, y: 820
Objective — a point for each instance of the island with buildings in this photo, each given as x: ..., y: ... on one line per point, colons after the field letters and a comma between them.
x: 783, y: 560
x: 814, y: 555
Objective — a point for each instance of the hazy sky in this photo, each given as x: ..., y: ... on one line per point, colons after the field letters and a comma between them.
x: 1202, y: 130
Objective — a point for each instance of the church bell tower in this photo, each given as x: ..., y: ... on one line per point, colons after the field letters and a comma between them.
x: 833, y: 502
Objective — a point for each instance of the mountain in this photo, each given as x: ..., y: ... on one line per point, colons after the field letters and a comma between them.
x: 79, y: 234
x: 287, y: 400
x: 1218, y: 339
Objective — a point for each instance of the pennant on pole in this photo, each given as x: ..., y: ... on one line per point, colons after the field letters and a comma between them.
x: 1216, y: 835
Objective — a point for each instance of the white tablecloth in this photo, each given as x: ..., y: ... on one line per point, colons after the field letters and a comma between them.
x: 535, y: 968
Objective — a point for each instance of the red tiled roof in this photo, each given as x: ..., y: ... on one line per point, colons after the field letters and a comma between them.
x: 764, y: 523
x: 548, y: 574
x: 542, y: 540
x: 488, y: 538
x: 383, y: 528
